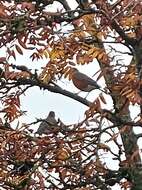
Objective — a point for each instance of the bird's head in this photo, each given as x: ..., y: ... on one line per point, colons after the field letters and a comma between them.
x: 51, y: 114
x: 74, y: 70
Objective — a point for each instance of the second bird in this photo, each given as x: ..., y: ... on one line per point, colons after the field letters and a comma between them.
x: 48, y: 125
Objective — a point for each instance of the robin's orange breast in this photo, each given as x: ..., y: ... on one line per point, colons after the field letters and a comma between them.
x: 80, y: 84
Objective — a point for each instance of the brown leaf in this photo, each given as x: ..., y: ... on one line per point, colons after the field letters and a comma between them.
x: 13, y: 54
x: 63, y: 174
x: 18, y: 49
x: 2, y: 59
x: 28, y: 5
x: 22, y: 43
x: 104, y: 147
x: 102, y: 98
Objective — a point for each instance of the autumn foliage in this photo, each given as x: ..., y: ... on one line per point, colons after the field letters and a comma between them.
x: 71, y: 156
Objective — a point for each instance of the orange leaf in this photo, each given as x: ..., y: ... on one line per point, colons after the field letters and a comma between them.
x: 2, y: 11
x: 96, y: 54
x: 62, y: 154
x: 101, y: 54
x: 66, y: 71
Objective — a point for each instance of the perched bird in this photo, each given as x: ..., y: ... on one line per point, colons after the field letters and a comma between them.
x: 83, y: 82
x: 48, y: 124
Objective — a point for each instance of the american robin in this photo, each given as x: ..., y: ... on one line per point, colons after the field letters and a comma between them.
x: 83, y: 82
x: 48, y: 124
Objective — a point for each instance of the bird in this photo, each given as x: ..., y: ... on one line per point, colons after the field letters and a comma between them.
x: 48, y: 125
x: 82, y: 81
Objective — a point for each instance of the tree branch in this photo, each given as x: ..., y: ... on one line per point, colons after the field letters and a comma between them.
x: 55, y: 89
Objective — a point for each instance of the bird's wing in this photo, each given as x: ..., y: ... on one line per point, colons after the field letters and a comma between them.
x: 81, y: 76
x: 51, y: 121
x: 44, y: 128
